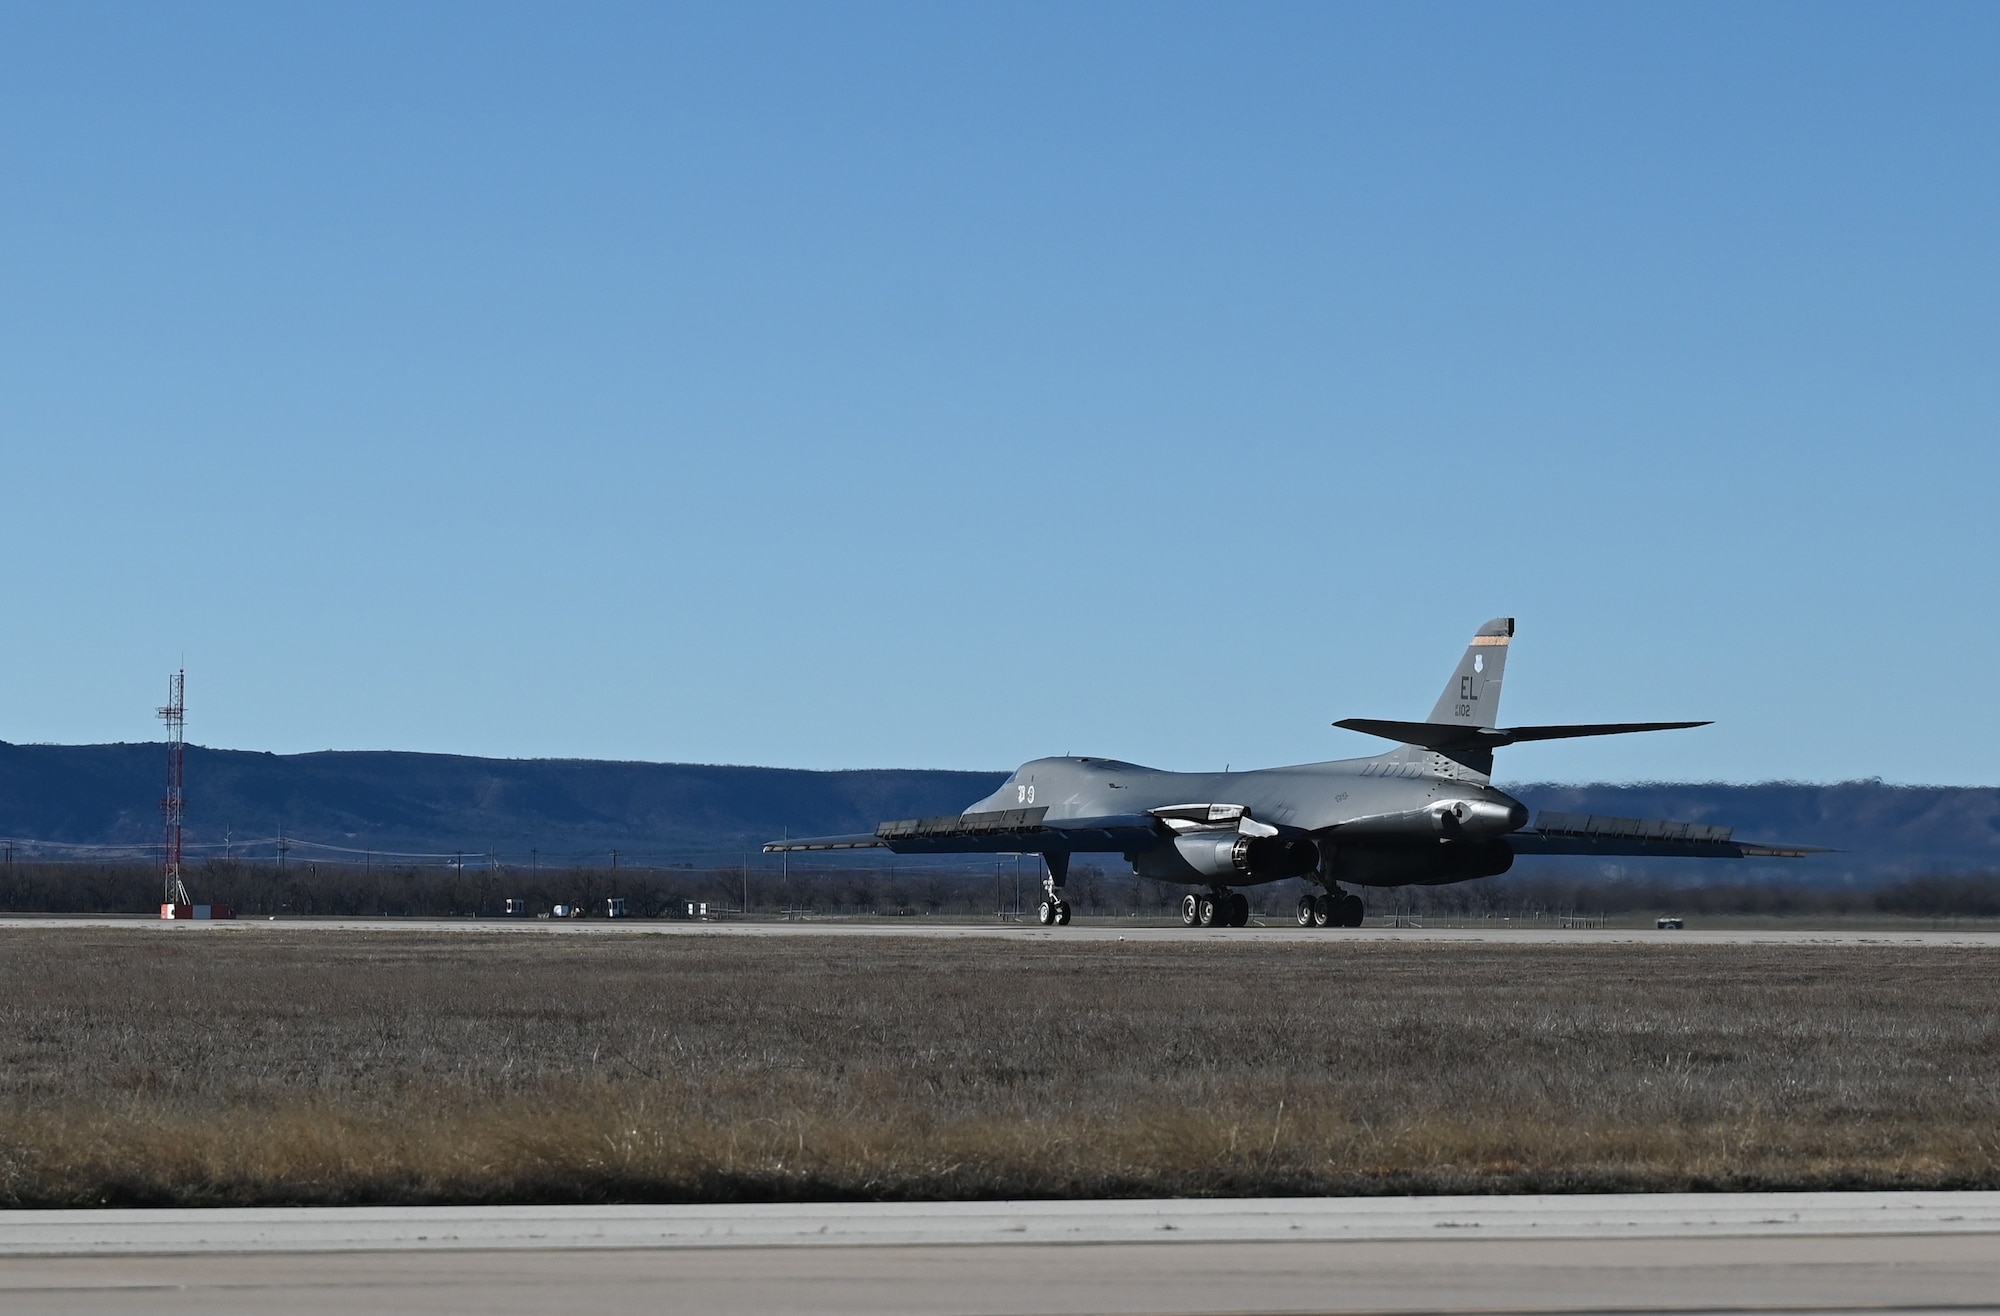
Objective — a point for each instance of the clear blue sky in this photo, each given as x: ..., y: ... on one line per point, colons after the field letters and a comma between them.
x: 937, y: 385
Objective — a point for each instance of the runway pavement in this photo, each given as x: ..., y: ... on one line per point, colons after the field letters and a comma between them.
x: 898, y: 1224
x: 1106, y: 930
x: 1668, y: 1253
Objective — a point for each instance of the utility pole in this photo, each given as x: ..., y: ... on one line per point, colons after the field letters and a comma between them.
x: 174, y: 714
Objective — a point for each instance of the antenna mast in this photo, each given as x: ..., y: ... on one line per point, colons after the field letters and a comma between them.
x: 175, y: 716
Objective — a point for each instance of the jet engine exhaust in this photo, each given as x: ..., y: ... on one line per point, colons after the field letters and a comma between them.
x: 1231, y: 857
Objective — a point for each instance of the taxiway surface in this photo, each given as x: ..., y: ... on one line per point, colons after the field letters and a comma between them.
x: 1659, y: 1253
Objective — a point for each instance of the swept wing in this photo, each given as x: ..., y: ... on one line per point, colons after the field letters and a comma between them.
x: 1594, y: 834
x: 1004, y: 831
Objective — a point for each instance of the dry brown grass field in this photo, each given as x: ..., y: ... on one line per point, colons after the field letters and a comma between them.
x: 149, y: 1065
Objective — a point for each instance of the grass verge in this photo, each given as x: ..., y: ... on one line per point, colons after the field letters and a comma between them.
x: 150, y: 1066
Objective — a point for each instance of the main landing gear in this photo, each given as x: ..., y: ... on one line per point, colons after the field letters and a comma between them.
x: 1220, y: 908
x: 1332, y: 908
x: 1054, y: 910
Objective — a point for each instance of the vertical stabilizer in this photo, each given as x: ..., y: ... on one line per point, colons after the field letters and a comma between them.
x: 1472, y: 698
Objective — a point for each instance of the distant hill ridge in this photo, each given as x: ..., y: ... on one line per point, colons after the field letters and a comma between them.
x: 393, y: 801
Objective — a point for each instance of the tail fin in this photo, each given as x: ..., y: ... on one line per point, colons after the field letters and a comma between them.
x: 1462, y: 728
x: 1472, y: 699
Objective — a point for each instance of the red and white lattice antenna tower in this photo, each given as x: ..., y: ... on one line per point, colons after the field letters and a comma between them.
x: 175, y: 716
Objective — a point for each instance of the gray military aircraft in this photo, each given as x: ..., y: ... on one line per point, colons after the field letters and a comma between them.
x: 1426, y: 813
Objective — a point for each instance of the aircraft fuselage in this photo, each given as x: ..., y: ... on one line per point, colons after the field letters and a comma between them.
x: 1397, y: 817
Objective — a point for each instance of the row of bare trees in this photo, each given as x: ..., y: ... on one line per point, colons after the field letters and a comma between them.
x: 309, y: 888
x: 484, y: 890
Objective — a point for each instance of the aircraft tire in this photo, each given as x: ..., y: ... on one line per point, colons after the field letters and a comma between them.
x: 1190, y: 909
x: 1305, y: 911
x: 1206, y: 913
x: 1046, y: 912
x: 1062, y: 913
x: 1239, y: 910
x: 1352, y: 911
x: 1322, y: 912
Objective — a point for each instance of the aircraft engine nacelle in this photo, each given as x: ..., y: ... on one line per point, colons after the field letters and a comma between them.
x: 1228, y: 857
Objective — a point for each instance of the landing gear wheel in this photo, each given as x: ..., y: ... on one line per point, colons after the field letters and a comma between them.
x: 1046, y: 912
x: 1352, y: 911
x: 1239, y: 910
x: 1206, y: 913
x: 1322, y: 911
x: 1190, y: 909
x: 1305, y: 911
x: 1062, y: 913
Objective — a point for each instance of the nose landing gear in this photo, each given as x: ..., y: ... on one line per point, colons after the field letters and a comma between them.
x: 1054, y: 910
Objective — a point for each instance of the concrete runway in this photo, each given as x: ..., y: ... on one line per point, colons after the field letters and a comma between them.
x: 1108, y: 930
x: 1717, y: 1253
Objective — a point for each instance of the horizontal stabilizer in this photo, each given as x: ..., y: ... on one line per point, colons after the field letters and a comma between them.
x: 1436, y: 735
x: 1515, y: 735
x: 1591, y: 834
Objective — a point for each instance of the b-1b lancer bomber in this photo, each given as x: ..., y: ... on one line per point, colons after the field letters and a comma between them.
x: 1423, y: 814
